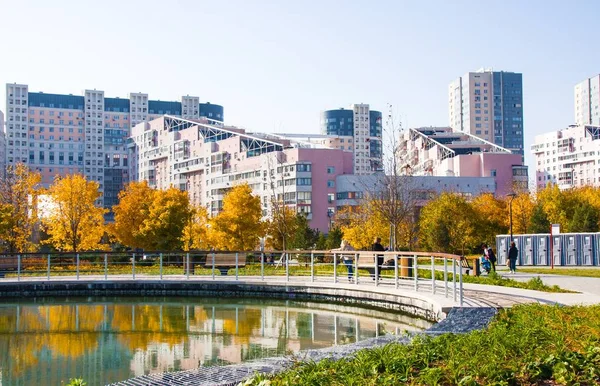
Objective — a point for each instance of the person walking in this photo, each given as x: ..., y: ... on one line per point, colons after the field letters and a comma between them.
x: 513, y: 255
x: 348, y: 258
x: 491, y: 257
x: 377, y: 247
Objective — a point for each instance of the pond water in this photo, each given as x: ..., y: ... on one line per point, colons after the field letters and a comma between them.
x: 104, y: 340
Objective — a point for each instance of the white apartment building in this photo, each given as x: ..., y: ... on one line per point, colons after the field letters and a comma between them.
x: 569, y: 157
x: 587, y: 102
x: 2, y: 145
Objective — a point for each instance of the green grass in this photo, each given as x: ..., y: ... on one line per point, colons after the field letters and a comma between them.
x: 583, y: 272
x: 270, y: 270
x: 526, y: 345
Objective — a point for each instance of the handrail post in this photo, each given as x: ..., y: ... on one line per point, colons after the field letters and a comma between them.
x: 105, y: 266
x: 460, y: 291
x: 213, y: 265
x: 18, y: 267
x: 356, y: 257
x: 454, y: 262
x: 312, y: 266
x: 262, y: 266
x: 161, y: 265
x: 396, y: 270
x: 48, y: 273
x: 416, y: 273
x: 445, y: 277
x: 287, y: 266
x: 334, y: 267
x: 77, y: 266
x: 133, y: 267
x: 187, y: 266
x: 433, y: 275
x: 236, y: 265
x: 375, y: 258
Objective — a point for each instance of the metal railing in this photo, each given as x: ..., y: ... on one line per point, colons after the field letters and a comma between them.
x: 419, y: 271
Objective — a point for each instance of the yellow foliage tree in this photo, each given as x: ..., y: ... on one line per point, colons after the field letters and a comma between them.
x: 75, y: 223
x: 131, y: 212
x: 169, y: 213
x: 195, y: 233
x: 238, y: 226
x: 362, y: 225
x: 281, y: 228
x: 557, y: 205
x: 18, y: 193
x: 448, y: 224
x: 492, y: 217
x: 522, y: 209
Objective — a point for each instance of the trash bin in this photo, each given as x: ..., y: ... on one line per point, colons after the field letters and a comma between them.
x: 406, y: 267
x: 476, y: 268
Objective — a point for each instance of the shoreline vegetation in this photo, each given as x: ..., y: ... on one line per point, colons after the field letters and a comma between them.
x: 526, y: 345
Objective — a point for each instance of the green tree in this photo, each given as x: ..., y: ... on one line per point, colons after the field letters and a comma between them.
x: 321, y: 242
x: 238, y: 226
x: 334, y: 238
x: 304, y: 237
x: 448, y: 224
x: 538, y: 222
x: 585, y: 218
x: 75, y: 223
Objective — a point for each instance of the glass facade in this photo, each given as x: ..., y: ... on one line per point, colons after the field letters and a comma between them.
x: 208, y: 110
x: 337, y: 122
x: 508, y: 110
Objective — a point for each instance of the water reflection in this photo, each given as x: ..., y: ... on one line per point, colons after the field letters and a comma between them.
x: 106, y: 340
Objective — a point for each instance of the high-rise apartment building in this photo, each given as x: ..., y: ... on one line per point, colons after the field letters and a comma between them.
x: 2, y: 145
x: 587, y: 102
x: 360, y: 128
x: 206, y: 159
x: 58, y: 134
x: 568, y: 157
x: 489, y: 104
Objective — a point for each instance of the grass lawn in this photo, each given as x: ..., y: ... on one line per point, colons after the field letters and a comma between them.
x: 526, y: 345
x: 584, y: 272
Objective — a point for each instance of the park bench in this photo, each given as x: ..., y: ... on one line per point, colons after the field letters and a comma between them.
x: 7, y: 263
x: 224, y: 261
x: 367, y: 261
x: 465, y: 266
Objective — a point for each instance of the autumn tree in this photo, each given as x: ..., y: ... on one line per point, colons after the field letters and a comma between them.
x: 238, y: 226
x: 362, y: 224
x: 522, y: 209
x: 492, y: 217
x: 448, y: 224
x: 74, y: 223
x: 131, y: 212
x: 168, y: 215
x: 280, y: 228
x: 18, y: 195
x: 195, y: 233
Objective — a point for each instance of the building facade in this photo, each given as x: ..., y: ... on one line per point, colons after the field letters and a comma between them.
x: 440, y: 151
x: 56, y: 134
x: 489, y: 104
x: 2, y: 145
x: 568, y: 157
x: 587, y: 102
x: 206, y: 159
x: 359, y: 130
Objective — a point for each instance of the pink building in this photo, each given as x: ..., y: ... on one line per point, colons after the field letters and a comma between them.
x: 206, y: 159
x: 437, y: 151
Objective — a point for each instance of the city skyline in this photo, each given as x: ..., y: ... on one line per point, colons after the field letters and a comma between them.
x: 288, y: 58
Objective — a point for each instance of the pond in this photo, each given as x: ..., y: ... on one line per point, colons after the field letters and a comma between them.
x: 104, y: 340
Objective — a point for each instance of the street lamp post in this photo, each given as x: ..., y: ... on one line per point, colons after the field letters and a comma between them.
x: 512, y: 197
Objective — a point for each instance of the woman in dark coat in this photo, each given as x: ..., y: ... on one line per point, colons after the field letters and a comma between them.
x: 513, y: 255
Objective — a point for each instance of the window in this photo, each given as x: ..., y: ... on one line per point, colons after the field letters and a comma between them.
x: 330, y: 183
x: 493, y: 172
x: 330, y: 169
x: 304, y: 181
x: 330, y: 197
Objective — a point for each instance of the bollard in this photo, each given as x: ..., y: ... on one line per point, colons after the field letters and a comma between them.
x: 48, y: 276
x: 312, y: 267
x: 161, y: 265
x: 133, y: 267
x: 77, y: 266
x: 105, y: 266
x: 18, y: 267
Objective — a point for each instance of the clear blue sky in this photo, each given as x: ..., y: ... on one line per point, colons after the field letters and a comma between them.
x: 275, y: 65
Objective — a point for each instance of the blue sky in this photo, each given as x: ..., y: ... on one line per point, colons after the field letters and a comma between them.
x: 275, y: 65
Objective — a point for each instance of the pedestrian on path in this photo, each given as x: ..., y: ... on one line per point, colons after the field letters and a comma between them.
x: 513, y: 255
x: 348, y: 258
x: 377, y: 247
x: 489, y: 254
